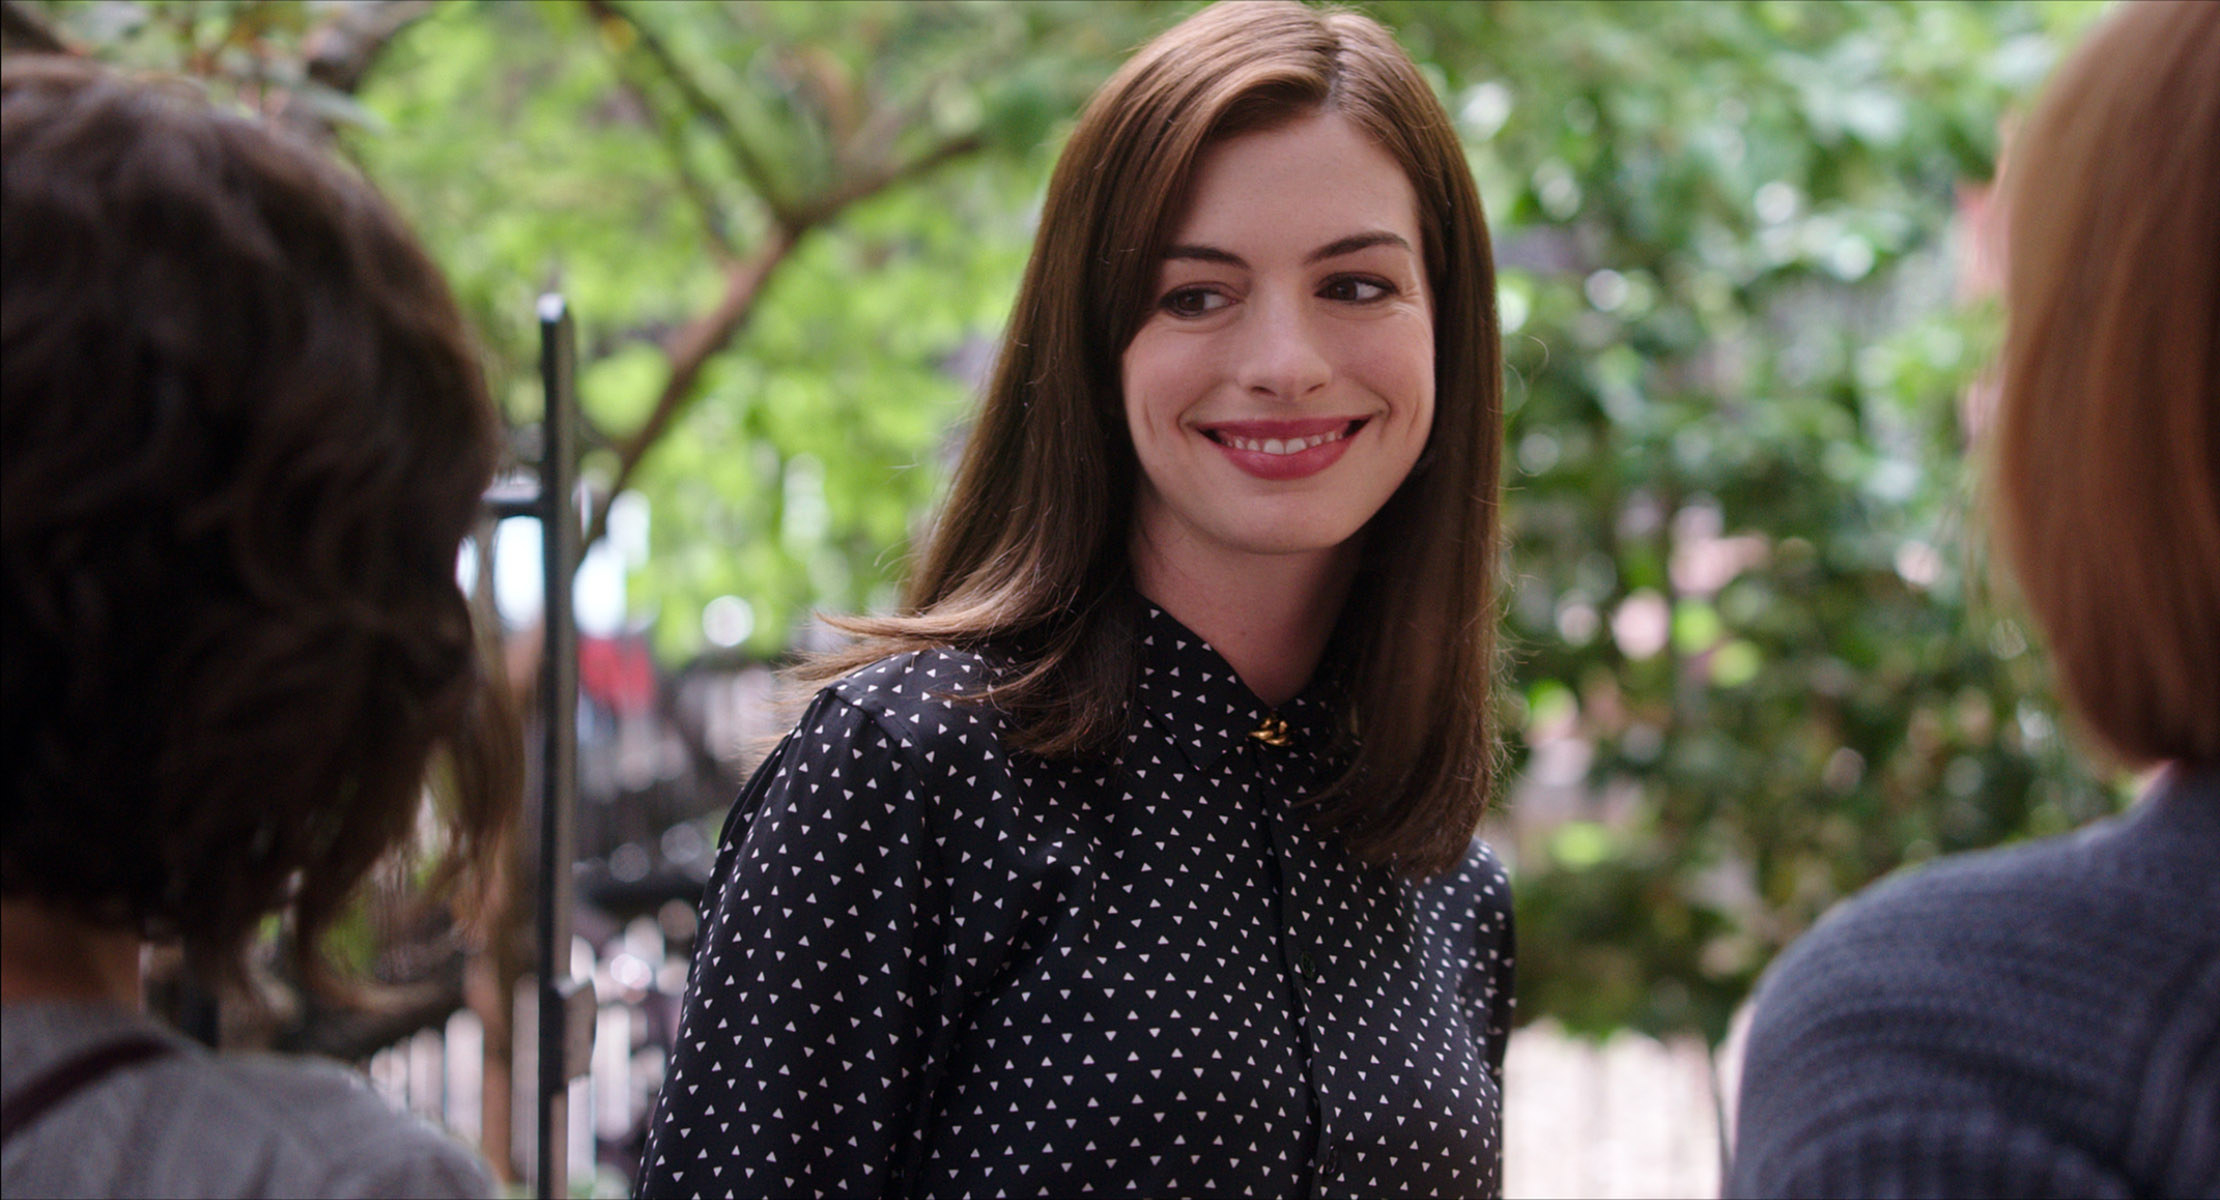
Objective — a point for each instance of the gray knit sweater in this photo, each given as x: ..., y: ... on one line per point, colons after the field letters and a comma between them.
x: 199, y: 1124
x: 2042, y: 1020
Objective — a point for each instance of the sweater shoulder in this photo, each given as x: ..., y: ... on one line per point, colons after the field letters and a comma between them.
x: 2128, y: 894
x: 2029, y: 988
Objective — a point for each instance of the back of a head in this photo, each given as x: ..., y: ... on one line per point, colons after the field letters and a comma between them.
x: 244, y: 434
x: 2106, y: 469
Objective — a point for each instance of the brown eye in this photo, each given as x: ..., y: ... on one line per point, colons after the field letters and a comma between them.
x: 1356, y: 289
x: 1192, y: 302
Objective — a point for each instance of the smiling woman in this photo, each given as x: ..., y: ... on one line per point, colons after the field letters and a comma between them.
x: 1281, y: 390
x: 1136, y: 855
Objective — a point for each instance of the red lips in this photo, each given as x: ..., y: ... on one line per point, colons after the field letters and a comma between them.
x: 1284, y: 449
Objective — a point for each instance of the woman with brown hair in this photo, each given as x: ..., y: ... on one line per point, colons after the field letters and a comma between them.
x: 1136, y: 855
x: 2044, y: 1020
x: 244, y: 434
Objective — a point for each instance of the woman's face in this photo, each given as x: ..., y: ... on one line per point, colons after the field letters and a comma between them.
x: 1283, y: 382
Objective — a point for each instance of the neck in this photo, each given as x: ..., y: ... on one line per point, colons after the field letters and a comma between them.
x: 46, y: 954
x: 1270, y: 620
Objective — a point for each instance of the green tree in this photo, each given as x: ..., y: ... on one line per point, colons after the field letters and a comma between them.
x: 1752, y: 661
x: 791, y: 231
x: 1752, y: 655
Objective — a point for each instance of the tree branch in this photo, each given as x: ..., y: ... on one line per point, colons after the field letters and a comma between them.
x: 689, y: 350
x: 23, y: 30
x: 869, y: 183
x: 690, y: 182
x: 341, y: 53
x: 752, y: 167
x: 691, y: 347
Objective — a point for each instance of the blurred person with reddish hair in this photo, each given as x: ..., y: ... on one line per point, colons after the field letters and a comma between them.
x: 244, y: 433
x: 2044, y: 1020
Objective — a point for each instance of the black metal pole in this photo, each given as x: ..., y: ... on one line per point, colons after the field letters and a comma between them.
x: 559, y: 540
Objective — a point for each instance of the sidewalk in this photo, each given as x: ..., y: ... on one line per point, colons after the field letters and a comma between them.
x: 1627, y: 1117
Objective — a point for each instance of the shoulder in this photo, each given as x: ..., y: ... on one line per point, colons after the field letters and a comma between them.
x: 1478, y: 882
x: 1465, y: 914
x: 282, y: 1126
x: 2122, y: 898
x: 2023, y: 989
x: 891, y: 734
x: 1482, y: 869
x: 924, y: 697
x: 906, y: 725
x: 340, y: 1134
x: 1471, y: 903
x: 2120, y: 901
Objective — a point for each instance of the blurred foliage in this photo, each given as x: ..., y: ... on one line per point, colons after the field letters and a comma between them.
x: 1753, y: 662
x: 801, y: 460
x: 1754, y: 653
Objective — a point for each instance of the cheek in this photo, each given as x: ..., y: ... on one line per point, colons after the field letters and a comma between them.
x: 1150, y: 379
x: 1132, y: 386
x: 1399, y: 367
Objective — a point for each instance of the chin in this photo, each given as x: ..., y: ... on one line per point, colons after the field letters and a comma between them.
x: 1303, y: 538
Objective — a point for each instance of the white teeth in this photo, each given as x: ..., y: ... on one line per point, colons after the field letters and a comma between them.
x: 1277, y: 445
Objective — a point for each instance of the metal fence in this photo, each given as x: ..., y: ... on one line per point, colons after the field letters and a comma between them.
x: 637, y: 978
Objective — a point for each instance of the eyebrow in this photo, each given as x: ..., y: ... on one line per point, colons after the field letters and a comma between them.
x: 1334, y: 249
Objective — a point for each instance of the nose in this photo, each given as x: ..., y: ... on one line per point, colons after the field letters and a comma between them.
x: 1280, y: 357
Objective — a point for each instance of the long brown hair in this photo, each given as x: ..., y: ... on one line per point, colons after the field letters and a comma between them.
x: 1029, y: 553
x: 245, y: 431
x: 2106, y: 472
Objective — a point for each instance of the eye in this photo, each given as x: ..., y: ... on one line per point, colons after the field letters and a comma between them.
x: 1356, y: 289
x: 1192, y: 301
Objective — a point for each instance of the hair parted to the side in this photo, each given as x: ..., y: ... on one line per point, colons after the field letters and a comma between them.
x: 244, y: 433
x: 2105, y: 475
x: 1030, y: 548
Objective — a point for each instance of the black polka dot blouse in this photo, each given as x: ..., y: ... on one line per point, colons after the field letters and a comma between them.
x: 931, y: 966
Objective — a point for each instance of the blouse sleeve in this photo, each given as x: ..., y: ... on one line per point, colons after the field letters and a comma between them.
x: 815, y: 999
x: 1502, y: 999
x: 1489, y: 987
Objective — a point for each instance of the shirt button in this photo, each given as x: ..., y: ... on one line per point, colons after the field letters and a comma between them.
x: 1273, y: 731
x: 1307, y: 967
x: 1329, y: 1163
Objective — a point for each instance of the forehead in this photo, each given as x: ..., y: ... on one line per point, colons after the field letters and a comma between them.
x: 1306, y: 183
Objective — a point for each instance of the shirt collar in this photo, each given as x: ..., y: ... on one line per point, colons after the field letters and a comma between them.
x: 1192, y: 696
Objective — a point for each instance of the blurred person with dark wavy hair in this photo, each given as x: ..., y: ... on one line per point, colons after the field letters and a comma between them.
x: 245, y: 432
x: 2044, y: 1020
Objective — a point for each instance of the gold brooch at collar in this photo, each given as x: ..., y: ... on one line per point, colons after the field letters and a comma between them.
x: 1273, y: 732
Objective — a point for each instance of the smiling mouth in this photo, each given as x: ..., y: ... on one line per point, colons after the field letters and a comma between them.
x: 1282, y: 445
